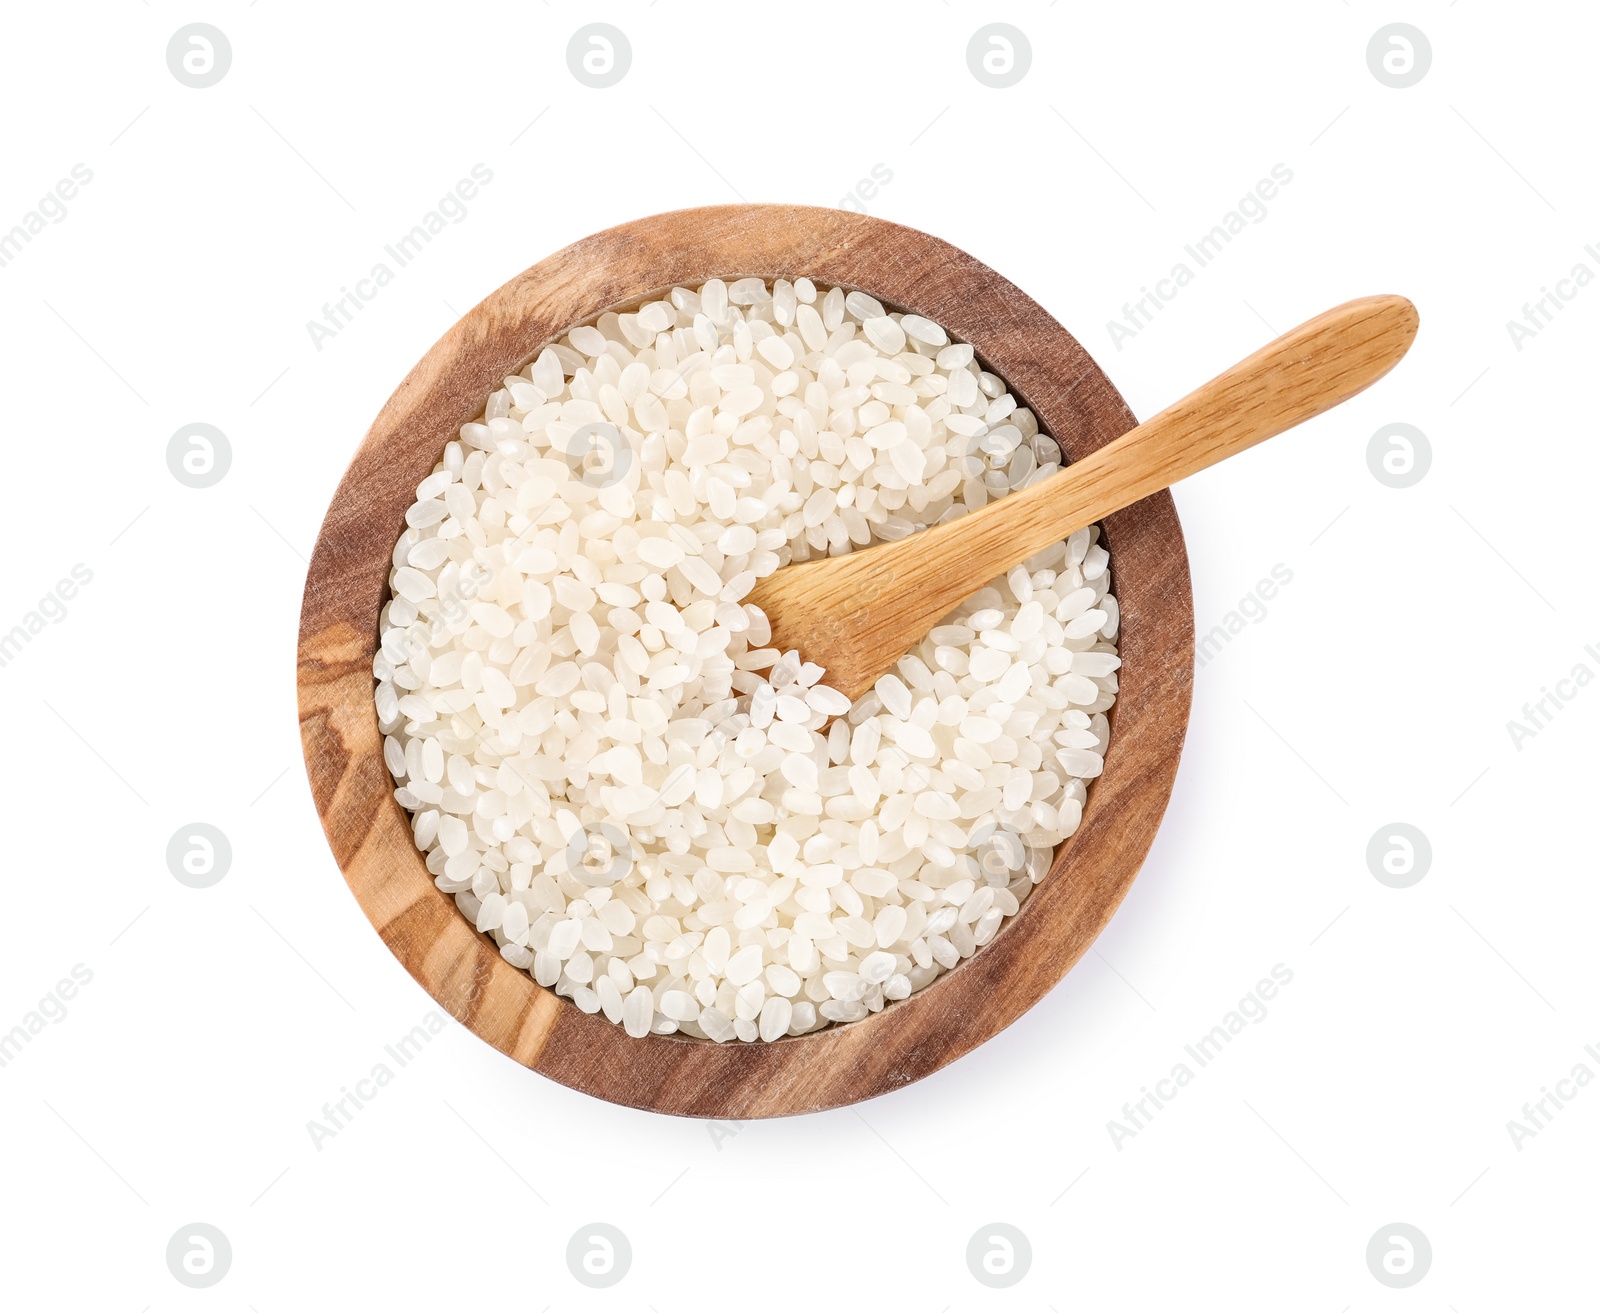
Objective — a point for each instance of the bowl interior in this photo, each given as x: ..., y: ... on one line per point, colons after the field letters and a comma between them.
x: 347, y: 585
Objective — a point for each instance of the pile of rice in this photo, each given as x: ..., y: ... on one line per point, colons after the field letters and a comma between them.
x: 649, y: 809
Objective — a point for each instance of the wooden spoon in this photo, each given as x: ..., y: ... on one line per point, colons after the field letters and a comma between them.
x: 855, y: 615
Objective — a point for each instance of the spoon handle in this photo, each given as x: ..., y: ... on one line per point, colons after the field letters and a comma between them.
x: 1308, y: 370
x: 855, y: 614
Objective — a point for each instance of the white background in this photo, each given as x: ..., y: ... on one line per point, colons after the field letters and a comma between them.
x: 1377, y: 689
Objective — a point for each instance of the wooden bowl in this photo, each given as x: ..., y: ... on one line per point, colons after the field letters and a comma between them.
x: 347, y: 586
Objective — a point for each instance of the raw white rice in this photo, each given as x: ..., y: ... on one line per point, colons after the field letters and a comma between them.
x: 571, y: 690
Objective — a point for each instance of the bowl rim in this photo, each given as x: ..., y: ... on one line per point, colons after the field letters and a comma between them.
x: 347, y: 585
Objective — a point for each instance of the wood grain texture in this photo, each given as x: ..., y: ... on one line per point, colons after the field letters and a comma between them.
x: 856, y: 615
x: 347, y: 585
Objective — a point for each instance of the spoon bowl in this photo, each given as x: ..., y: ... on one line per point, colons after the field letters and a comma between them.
x: 347, y: 586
